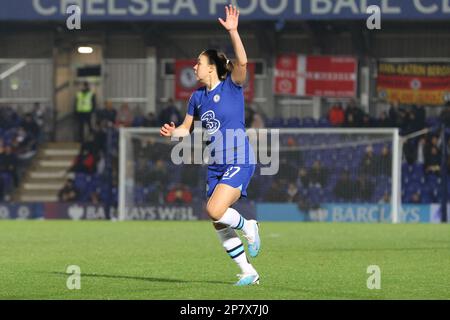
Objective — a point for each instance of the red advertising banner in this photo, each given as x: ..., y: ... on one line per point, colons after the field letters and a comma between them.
x: 186, y: 82
x: 319, y: 76
x: 414, y: 83
x: 185, y: 79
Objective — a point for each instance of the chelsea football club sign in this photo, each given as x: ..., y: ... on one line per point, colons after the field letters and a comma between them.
x: 198, y: 10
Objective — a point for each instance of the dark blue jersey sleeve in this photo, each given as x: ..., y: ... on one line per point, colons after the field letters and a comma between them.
x: 229, y: 82
x: 191, y: 105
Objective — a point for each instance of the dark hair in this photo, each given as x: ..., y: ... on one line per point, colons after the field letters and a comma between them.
x: 220, y: 60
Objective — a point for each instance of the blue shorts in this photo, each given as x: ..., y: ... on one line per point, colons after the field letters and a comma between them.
x: 236, y: 176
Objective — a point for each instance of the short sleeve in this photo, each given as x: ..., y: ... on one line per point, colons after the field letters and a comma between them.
x: 231, y: 84
x: 191, y: 105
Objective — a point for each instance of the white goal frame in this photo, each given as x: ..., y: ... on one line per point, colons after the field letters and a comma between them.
x: 396, y: 158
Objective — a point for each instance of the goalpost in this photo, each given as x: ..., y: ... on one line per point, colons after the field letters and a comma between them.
x: 342, y: 152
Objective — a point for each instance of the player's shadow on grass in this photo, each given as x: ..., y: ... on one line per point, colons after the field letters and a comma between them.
x: 150, y: 279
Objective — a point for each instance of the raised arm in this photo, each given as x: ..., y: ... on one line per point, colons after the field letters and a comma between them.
x: 231, y: 23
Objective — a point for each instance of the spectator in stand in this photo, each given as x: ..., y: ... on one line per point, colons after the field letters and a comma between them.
x: 125, y: 116
x: 285, y: 173
x: 69, y: 193
x: 150, y: 121
x: 415, y: 198
x: 100, y: 135
x: 295, y: 156
x: 367, y: 165
x: 108, y: 113
x: 412, y: 124
x: 141, y: 169
x: 433, y: 140
x: 38, y: 114
x: 275, y: 193
x: 336, y: 115
x: 94, y: 198
x: 354, y: 112
x: 344, y: 189
x: 365, y: 188
x: 85, y: 162
x: 433, y: 161
x: 23, y: 144
x: 350, y: 121
x: 159, y: 173
x: 85, y: 105
x: 383, y: 121
x: 445, y: 116
x: 384, y: 162
x: 179, y: 195
x: 367, y: 121
x: 30, y: 125
x: 146, y: 149
x: 385, y: 199
x: 100, y: 163
x: 8, y: 164
x: 8, y: 118
x: 393, y: 113
x: 318, y: 175
x: 190, y: 175
x: 139, y: 117
x: 420, y: 115
x: 293, y: 194
x: 170, y: 114
x: 421, y: 150
x: 156, y: 196
x: 403, y: 121
x: 303, y: 177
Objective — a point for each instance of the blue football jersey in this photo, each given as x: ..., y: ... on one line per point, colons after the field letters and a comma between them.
x: 222, y: 114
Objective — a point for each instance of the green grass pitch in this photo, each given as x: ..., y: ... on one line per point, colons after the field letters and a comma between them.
x: 184, y: 260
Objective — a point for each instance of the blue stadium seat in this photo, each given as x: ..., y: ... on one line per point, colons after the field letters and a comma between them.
x: 277, y: 123
x: 308, y: 122
x: 426, y: 198
x: 8, y: 183
x: 432, y: 122
x: 433, y: 180
x: 138, y: 121
x: 323, y: 123
x: 293, y: 123
x: 418, y: 167
x: 81, y: 181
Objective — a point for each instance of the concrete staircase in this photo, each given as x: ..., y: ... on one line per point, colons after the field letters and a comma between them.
x: 48, y: 172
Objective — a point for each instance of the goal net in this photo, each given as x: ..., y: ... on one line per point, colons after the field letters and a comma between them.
x: 318, y: 169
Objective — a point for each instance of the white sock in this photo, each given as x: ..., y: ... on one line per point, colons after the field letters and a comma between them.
x: 235, y: 249
x: 234, y: 219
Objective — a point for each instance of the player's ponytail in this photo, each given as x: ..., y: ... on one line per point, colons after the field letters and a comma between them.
x: 220, y: 60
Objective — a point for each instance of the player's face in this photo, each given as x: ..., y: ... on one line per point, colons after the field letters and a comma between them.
x: 203, y: 69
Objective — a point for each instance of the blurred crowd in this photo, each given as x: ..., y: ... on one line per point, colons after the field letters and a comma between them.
x: 154, y: 172
x: 20, y: 135
x: 408, y: 118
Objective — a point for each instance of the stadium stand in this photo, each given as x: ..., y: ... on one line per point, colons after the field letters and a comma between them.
x: 418, y: 184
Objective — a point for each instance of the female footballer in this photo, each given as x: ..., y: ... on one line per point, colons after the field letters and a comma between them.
x: 220, y: 106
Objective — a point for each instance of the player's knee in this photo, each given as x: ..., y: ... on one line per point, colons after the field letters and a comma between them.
x: 215, y: 212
